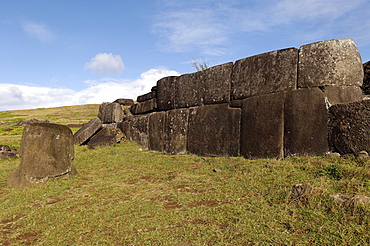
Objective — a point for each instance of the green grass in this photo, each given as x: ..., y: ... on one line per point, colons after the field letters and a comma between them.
x: 125, y: 196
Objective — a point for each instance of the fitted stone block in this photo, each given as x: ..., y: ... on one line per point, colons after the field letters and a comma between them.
x: 349, y: 127
x: 333, y: 62
x: 366, y: 83
x: 147, y: 96
x: 305, y: 122
x: 166, y: 93
x: 125, y: 127
x: 262, y: 127
x: 140, y: 130
x: 176, y: 131
x: 156, y: 131
x: 144, y: 107
x: 342, y: 94
x: 216, y: 84
x: 87, y: 131
x: 124, y: 102
x: 110, y: 113
x: 188, y: 90
x: 265, y: 73
x: 214, y: 130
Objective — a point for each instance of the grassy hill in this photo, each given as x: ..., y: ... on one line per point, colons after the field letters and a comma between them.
x: 128, y: 196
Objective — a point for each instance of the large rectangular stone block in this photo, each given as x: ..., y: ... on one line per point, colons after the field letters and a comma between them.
x: 87, y: 131
x: 214, y: 130
x: 140, y: 130
x: 305, y: 122
x: 188, y: 90
x: 144, y: 107
x: 332, y: 62
x: 176, y: 131
x: 265, y: 73
x: 342, y: 94
x: 147, y: 96
x: 110, y: 113
x: 262, y: 127
x: 216, y: 83
x: 166, y: 93
x: 156, y: 130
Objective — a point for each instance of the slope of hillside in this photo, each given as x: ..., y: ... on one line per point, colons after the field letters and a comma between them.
x: 128, y: 196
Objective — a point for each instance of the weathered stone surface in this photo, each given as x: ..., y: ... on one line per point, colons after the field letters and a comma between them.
x: 147, y: 96
x: 188, y: 90
x: 236, y: 103
x: 125, y: 127
x: 262, y: 127
x: 366, y: 82
x: 101, y: 141
x: 110, y: 113
x: 166, y: 93
x: 176, y: 131
x: 46, y: 152
x: 342, y: 94
x: 110, y: 130
x: 333, y: 62
x: 140, y: 130
x: 305, y: 122
x: 124, y: 102
x: 349, y: 127
x: 144, y: 107
x: 156, y: 130
x: 87, y: 131
x: 265, y: 73
x: 7, y: 152
x: 216, y: 82
x: 214, y: 130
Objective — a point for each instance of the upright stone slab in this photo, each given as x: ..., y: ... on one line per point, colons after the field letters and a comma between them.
x: 216, y: 82
x: 349, y: 127
x: 214, y: 130
x: 265, y: 73
x: 46, y: 152
x: 342, y: 94
x: 262, y: 128
x: 166, y: 93
x: 333, y: 62
x: 156, y: 131
x: 125, y: 127
x: 140, y: 130
x: 110, y: 113
x: 87, y: 131
x: 305, y: 122
x: 176, y: 131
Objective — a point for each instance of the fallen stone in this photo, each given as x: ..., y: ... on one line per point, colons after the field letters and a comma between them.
x: 332, y: 155
x: 363, y: 154
x: 350, y: 200
x: 46, y: 152
x: 349, y: 127
x: 7, y: 152
x: 102, y: 141
x: 334, y: 62
x: 265, y: 73
x: 87, y: 131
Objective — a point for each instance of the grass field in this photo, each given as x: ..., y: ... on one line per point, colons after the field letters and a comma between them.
x: 124, y: 195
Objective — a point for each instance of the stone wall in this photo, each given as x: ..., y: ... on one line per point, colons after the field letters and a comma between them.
x: 269, y: 105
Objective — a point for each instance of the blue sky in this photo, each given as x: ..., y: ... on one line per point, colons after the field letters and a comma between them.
x: 57, y: 53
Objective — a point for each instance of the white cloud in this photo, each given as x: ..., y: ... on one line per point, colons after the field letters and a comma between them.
x: 107, y: 90
x: 38, y: 31
x: 104, y: 63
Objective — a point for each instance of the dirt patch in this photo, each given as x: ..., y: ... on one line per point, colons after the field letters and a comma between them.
x: 209, y: 203
x: 171, y: 205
